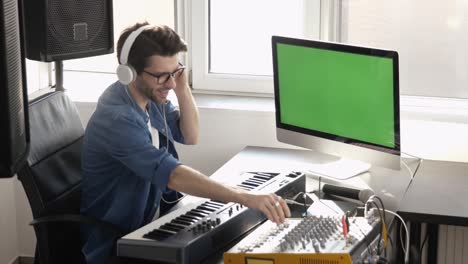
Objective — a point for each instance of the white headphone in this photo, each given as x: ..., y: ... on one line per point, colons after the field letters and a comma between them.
x: 125, y: 72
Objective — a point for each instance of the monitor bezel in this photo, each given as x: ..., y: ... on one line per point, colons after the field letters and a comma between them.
x: 283, y: 128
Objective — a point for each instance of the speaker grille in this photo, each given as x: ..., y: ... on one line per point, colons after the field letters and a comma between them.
x: 77, y: 26
x: 14, y: 83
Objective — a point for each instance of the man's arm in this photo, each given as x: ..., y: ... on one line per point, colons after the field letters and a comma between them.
x: 188, y: 110
x: 188, y: 180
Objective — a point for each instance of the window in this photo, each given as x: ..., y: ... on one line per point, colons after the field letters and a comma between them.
x: 37, y: 74
x: 430, y: 37
x: 231, y: 50
x: 230, y: 41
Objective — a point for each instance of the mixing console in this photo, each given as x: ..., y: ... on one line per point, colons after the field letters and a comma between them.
x: 315, y: 238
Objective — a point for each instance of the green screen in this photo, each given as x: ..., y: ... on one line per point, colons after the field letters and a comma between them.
x: 344, y: 94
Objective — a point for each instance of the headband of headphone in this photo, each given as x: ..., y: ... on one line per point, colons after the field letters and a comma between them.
x: 125, y: 72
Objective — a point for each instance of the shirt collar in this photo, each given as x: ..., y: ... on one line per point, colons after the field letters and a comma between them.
x: 130, y: 100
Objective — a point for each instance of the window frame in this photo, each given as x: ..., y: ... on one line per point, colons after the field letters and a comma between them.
x: 192, y: 22
x: 39, y: 76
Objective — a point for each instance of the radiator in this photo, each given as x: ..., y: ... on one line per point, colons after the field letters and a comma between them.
x: 452, y: 245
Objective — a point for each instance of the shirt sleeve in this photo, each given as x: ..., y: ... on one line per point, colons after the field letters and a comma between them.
x: 130, y: 143
x: 173, y: 121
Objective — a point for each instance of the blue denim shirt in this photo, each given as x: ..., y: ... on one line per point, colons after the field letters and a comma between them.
x: 123, y: 173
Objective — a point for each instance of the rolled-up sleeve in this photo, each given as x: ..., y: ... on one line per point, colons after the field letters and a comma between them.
x: 129, y: 142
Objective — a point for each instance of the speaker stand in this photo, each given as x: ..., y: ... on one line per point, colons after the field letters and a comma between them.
x: 59, y: 76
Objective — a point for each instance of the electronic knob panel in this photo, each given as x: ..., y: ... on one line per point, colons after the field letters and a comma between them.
x: 302, y: 239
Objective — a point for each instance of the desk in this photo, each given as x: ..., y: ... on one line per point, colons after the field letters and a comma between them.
x: 436, y: 196
x: 388, y: 184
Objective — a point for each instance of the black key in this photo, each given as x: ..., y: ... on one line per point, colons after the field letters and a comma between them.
x: 180, y: 223
x: 249, y: 184
x: 196, y: 214
x: 255, y: 180
x: 263, y: 178
x: 206, y: 208
x: 171, y: 227
x: 189, y: 218
x: 196, y: 210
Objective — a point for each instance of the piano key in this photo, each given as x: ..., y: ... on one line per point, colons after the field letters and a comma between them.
x: 170, y: 227
x: 199, y: 210
x: 217, y: 202
x: 189, y: 218
x: 249, y: 184
x: 182, y: 222
x: 255, y: 180
x: 264, y: 178
x: 195, y: 214
x: 206, y: 208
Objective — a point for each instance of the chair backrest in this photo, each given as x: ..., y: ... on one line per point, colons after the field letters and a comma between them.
x: 52, y: 176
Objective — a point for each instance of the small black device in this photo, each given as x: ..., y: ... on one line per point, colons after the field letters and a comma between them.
x: 361, y: 195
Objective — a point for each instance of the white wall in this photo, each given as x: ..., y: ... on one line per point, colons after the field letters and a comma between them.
x: 16, y: 235
x: 8, y: 237
x: 24, y: 232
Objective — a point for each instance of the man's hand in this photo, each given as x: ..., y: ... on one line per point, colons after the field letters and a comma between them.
x: 190, y: 181
x: 181, y: 83
x: 273, y: 206
x: 188, y: 110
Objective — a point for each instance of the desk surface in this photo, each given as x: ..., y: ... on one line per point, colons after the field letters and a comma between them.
x: 437, y: 194
x: 388, y: 184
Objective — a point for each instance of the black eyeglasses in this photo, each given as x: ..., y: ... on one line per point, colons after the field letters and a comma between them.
x: 162, y: 78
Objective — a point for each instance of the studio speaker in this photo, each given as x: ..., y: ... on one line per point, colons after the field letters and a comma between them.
x: 14, y: 129
x: 57, y: 30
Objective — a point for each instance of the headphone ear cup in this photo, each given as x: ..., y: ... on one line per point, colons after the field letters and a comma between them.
x: 126, y: 74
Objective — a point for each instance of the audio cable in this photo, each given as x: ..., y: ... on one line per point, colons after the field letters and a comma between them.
x: 368, y: 213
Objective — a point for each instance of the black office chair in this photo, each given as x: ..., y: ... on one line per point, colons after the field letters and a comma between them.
x: 52, y: 180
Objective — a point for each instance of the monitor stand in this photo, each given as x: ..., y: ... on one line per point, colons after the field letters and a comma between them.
x: 341, y: 169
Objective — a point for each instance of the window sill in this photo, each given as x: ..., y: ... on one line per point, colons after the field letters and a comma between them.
x: 434, y: 109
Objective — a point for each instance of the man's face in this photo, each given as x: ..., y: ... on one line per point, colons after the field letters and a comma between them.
x: 152, y: 81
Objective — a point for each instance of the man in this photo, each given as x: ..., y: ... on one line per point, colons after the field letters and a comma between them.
x: 124, y: 173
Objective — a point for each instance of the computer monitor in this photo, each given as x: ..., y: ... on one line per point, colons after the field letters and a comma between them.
x: 338, y: 99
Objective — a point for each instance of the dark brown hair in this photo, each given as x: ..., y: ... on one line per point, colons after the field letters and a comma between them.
x: 159, y: 40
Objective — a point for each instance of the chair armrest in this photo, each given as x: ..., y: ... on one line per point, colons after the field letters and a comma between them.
x: 79, y: 219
